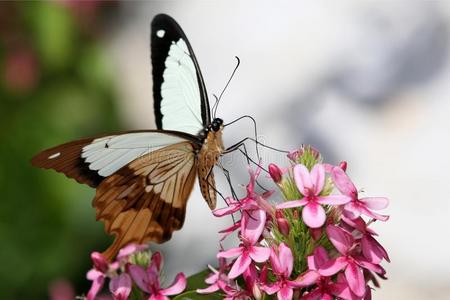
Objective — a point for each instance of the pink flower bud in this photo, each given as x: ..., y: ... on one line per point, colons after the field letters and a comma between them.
x: 316, y: 233
x: 275, y: 173
x: 283, y: 226
x: 100, y: 262
x: 343, y: 165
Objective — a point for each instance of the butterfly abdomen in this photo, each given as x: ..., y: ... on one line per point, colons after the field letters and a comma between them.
x: 208, y: 157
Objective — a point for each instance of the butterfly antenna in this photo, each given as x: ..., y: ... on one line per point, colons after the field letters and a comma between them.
x: 228, y: 82
x: 216, y: 103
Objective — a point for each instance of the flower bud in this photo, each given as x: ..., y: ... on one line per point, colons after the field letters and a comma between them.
x: 283, y: 226
x: 100, y: 262
x: 343, y: 165
x: 316, y: 233
x: 275, y: 173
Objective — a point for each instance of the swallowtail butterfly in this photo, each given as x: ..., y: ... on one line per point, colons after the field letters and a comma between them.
x: 143, y: 179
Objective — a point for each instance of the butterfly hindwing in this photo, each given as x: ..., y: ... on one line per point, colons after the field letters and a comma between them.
x: 180, y: 98
x: 146, y: 200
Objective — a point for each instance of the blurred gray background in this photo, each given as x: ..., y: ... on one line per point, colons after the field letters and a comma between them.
x: 366, y: 82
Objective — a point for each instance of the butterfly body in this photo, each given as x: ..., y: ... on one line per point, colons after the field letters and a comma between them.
x: 208, y: 157
x: 143, y: 178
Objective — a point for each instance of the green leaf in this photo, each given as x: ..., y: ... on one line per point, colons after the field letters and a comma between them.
x: 197, y: 281
x: 192, y: 295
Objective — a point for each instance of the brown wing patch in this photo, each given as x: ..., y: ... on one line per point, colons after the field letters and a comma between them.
x: 66, y: 158
x: 146, y: 200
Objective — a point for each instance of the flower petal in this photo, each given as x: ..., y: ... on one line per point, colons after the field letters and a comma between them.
x: 318, y: 178
x: 372, y: 250
x: 352, y: 210
x: 130, y: 250
x: 178, y: 285
x: 252, y: 225
x: 292, y: 203
x: 375, y: 203
x: 355, y: 279
x: 120, y: 286
x: 230, y: 252
x: 340, y: 239
x: 303, y: 179
x: 313, y: 215
x: 140, y: 277
x: 319, y: 258
x: 370, y: 266
x: 97, y: 284
x: 371, y: 214
x: 226, y: 210
x: 306, y: 279
x: 100, y: 262
x: 333, y: 266
x: 240, y: 265
x: 285, y: 293
x: 343, y: 182
x: 259, y: 254
x: 271, y: 288
x: 286, y: 259
x: 315, y: 294
x: 334, y: 199
x: 210, y: 289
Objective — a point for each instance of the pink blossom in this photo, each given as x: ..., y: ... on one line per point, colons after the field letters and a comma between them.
x: 326, y: 288
x: 282, y: 264
x: 98, y: 274
x: 148, y: 280
x: 350, y: 261
x: 356, y: 206
x: 252, y: 201
x: 217, y: 278
x: 120, y: 286
x: 371, y: 248
x: 310, y: 186
x: 129, y: 250
x: 252, y: 226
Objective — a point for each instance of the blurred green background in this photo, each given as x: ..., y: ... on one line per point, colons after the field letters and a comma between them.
x: 55, y: 83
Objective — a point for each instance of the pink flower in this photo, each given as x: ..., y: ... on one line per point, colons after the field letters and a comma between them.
x: 350, y: 261
x: 252, y: 226
x: 326, y: 288
x: 252, y: 201
x: 310, y: 186
x: 371, y: 248
x: 98, y: 274
x: 148, y: 280
x: 356, y: 206
x: 120, y: 286
x: 282, y: 265
x: 216, y: 279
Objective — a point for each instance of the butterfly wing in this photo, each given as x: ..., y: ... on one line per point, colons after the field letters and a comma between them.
x: 146, y: 200
x: 91, y: 160
x: 180, y: 98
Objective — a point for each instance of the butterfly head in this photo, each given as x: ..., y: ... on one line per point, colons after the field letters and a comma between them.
x: 216, y: 125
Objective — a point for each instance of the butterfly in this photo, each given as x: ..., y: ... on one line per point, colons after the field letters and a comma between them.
x: 143, y: 178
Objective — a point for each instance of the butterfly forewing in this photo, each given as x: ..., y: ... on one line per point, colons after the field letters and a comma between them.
x: 179, y: 93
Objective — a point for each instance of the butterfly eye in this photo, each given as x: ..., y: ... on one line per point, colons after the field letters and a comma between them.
x: 215, y: 126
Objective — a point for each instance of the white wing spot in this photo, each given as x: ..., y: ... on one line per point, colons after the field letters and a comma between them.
x: 160, y: 33
x: 54, y: 155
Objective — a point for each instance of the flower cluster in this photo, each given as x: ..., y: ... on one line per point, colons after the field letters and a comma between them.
x: 317, y: 244
x: 134, y: 270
